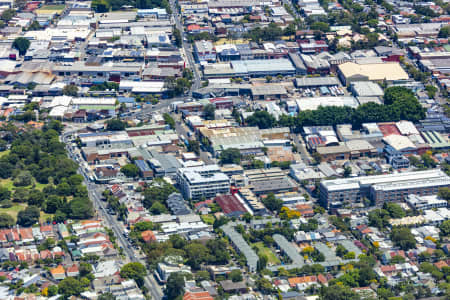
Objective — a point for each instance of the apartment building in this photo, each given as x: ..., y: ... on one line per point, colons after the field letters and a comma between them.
x: 381, y: 188
x: 205, y: 181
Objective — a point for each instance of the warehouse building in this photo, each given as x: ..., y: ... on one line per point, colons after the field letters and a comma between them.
x: 307, y: 103
x: 315, y: 82
x: 250, y: 68
x: 366, y: 89
x: 382, y: 188
x: 349, y: 72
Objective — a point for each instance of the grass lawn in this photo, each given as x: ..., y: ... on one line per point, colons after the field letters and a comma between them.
x: 208, y: 219
x: 40, y: 186
x: 272, y: 258
x: 3, y: 153
x: 7, y: 183
x: 14, y: 210
x: 43, y: 218
x: 52, y: 7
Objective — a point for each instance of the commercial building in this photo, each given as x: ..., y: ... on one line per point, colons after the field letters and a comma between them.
x: 204, y: 51
x: 366, y: 89
x: 388, y: 71
x: 205, y: 181
x: 314, y: 82
x: 382, y: 188
x: 313, y: 103
x: 250, y: 68
x: 425, y: 202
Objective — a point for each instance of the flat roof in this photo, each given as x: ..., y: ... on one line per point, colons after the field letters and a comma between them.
x: 375, y: 71
x: 313, y: 103
x: 316, y: 81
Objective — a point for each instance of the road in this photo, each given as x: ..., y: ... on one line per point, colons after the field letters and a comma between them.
x: 301, y: 148
x: 186, y: 47
x: 149, y: 280
x: 181, y: 129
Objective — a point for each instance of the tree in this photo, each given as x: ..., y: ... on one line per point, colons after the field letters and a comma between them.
x: 444, y: 32
x: 338, y: 292
x: 29, y: 216
x: 100, y: 6
x: 115, y: 125
x: 52, y: 290
x: 81, y: 208
x: 230, y: 156
x: 235, y: 276
x: 133, y: 270
x: 196, y: 254
x: 264, y: 285
x: 177, y: 37
x: 130, y: 170
x: 445, y: 228
x: 262, y: 119
x: 175, y: 285
x: 444, y: 193
x: 272, y: 203
x: 159, y: 191
x: 395, y: 93
x: 431, y: 90
x: 403, y: 238
x: 106, y: 296
x: 194, y: 146
x: 21, y: 44
x: 395, y: 211
x: 347, y: 171
x: 320, y: 26
x: 23, y: 179
x: 7, y: 15
x: 70, y: 90
x: 158, y: 208
x: 340, y: 250
x: 70, y: 287
x: 169, y: 120
x: 6, y: 220
x: 208, y: 111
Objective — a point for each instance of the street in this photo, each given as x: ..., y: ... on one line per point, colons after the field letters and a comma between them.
x: 111, y: 221
x: 190, y: 59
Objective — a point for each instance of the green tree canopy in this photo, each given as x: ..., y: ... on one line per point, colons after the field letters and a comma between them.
x: 70, y: 287
x: 115, y: 125
x: 130, y: 170
x: 175, y: 285
x: 403, y: 238
x: 29, y: 216
x: 21, y: 44
x: 230, y: 156
x: 70, y: 90
x: 262, y: 119
x: 272, y: 203
x: 208, y: 111
x: 133, y: 270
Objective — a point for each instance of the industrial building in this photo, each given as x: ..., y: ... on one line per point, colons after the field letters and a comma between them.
x: 382, y: 188
x: 387, y: 71
x: 366, y: 89
x: 314, y: 82
x: 205, y: 181
x: 250, y: 68
x: 309, y: 103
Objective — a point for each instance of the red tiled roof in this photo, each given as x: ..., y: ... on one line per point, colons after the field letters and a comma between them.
x: 197, y: 296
